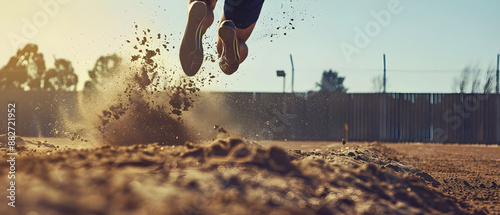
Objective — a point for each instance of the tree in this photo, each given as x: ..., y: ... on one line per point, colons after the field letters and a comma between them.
x: 104, y: 68
x: 488, y: 86
x: 460, y: 83
x: 470, y: 80
x: 13, y: 76
x: 24, y: 70
x: 331, y: 82
x: 476, y: 81
x: 378, y: 83
x: 61, y: 77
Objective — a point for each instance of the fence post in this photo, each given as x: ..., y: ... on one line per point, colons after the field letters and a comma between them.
x: 383, y: 116
x: 497, y: 121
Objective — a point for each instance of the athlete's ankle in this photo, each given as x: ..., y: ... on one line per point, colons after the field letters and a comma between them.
x: 191, y: 1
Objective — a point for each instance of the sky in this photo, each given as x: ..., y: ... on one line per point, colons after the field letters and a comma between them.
x: 427, y: 43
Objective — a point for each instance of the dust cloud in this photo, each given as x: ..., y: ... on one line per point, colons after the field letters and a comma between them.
x: 150, y: 102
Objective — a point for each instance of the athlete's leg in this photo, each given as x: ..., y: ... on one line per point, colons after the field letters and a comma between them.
x: 237, y: 24
x: 242, y: 35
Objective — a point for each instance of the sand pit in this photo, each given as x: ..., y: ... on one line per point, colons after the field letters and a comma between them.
x: 230, y: 176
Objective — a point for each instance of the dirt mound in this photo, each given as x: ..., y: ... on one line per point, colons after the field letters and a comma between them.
x: 225, y: 176
x: 235, y: 150
x: 23, y: 145
x: 4, y: 140
x: 139, y: 123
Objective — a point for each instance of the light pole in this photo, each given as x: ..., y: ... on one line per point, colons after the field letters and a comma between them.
x: 384, y: 73
x: 281, y: 73
x: 293, y: 72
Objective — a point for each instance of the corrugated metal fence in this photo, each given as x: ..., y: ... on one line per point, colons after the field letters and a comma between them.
x: 460, y: 118
x: 395, y: 117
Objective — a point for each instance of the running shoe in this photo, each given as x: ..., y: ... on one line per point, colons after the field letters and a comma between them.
x: 230, y: 57
x: 191, y: 50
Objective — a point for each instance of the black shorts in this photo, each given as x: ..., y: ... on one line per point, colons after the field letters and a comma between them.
x: 243, y: 13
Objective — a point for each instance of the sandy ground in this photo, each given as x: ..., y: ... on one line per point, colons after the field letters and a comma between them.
x: 235, y: 176
x: 468, y: 172
x: 471, y: 173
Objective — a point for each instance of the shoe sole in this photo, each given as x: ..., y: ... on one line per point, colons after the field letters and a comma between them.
x: 191, y: 50
x: 230, y: 59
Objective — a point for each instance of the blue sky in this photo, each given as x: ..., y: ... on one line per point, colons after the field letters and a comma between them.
x: 427, y: 42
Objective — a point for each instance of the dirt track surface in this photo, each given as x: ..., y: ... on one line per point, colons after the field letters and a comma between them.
x: 470, y: 173
x: 227, y: 176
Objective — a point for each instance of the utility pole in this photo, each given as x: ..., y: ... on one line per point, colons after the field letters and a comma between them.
x: 498, y: 64
x: 293, y: 72
x: 386, y: 71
